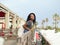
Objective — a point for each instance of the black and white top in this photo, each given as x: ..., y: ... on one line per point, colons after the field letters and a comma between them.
x: 29, y: 24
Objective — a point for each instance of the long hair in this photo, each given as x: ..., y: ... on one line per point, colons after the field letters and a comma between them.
x: 28, y: 18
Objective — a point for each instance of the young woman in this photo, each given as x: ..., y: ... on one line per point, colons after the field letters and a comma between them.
x: 31, y: 20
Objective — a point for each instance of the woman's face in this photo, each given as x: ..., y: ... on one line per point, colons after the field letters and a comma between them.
x: 32, y: 17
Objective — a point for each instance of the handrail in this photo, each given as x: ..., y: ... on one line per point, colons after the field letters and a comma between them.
x: 25, y: 39
x: 7, y: 33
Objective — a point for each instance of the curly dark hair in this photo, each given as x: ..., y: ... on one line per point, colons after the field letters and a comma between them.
x: 28, y: 18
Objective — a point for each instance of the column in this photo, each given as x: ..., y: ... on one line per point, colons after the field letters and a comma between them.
x: 14, y: 22
x: 7, y: 20
x: 18, y: 23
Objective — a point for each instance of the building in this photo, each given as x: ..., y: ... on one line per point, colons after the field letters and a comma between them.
x: 9, y: 19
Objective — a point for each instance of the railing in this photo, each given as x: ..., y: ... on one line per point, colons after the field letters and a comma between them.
x: 13, y: 39
x: 8, y: 32
x: 25, y: 39
x: 9, y: 36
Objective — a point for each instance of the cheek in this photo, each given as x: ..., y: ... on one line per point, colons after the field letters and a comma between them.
x: 32, y: 18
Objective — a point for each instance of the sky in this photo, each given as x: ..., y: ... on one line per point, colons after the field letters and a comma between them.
x: 42, y: 8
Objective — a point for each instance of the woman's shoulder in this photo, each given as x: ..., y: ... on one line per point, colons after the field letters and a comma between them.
x: 29, y: 21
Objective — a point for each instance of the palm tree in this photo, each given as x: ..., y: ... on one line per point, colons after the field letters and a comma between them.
x: 43, y: 21
x: 46, y: 21
x: 56, y: 19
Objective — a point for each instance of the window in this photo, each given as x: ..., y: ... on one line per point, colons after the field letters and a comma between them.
x: 2, y: 14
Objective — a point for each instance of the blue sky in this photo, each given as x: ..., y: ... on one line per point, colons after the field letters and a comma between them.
x: 42, y: 8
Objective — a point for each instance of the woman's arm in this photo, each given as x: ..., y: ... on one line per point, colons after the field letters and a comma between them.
x: 25, y: 27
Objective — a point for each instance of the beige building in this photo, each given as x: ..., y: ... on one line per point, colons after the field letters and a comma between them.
x: 9, y: 19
